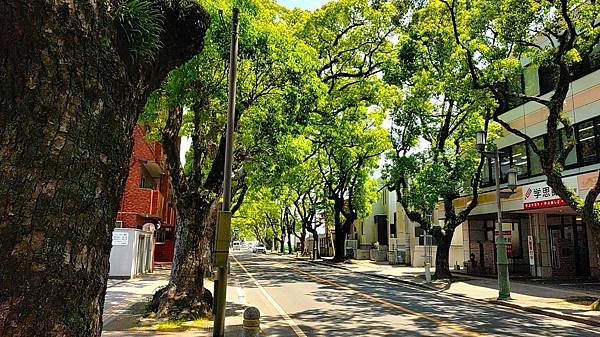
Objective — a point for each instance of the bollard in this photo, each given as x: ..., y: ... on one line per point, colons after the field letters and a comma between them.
x: 251, y: 326
x: 427, y: 273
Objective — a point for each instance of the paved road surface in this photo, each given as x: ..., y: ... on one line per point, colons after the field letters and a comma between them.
x: 302, y: 299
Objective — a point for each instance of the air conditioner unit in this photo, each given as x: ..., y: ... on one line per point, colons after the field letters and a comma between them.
x: 118, y: 224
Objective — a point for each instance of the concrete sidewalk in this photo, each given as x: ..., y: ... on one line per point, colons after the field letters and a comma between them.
x: 125, y: 302
x: 551, y: 300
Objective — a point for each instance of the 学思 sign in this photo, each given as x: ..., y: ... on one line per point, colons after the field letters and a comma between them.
x: 540, y: 195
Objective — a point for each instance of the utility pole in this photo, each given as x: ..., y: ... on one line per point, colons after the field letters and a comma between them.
x: 223, y: 235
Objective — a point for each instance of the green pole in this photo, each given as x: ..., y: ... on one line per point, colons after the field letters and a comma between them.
x: 223, y: 235
x: 501, y: 256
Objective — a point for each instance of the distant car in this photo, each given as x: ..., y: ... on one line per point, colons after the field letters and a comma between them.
x: 236, y: 245
x: 259, y: 248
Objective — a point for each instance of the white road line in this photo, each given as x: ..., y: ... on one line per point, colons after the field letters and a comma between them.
x: 275, y: 305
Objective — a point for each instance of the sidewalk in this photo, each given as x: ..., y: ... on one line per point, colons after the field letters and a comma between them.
x: 125, y: 302
x: 551, y: 300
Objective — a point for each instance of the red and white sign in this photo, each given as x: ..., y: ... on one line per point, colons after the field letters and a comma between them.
x: 540, y: 195
x: 531, y: 250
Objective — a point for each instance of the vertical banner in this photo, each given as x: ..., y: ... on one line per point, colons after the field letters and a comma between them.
x: 531, y: 250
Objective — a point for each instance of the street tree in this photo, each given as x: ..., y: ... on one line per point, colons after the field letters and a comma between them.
x: 192, y: 103
x: 433, y: 118
x: 561, y: 36
x: 75, y: 76
x: 353, y: 39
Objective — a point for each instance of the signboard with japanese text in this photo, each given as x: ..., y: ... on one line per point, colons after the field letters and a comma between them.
x: 540, y: 195
x: 531, y: 250
x: 120, y: 239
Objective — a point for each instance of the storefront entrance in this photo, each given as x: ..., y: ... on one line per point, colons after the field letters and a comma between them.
x: 568, y: 246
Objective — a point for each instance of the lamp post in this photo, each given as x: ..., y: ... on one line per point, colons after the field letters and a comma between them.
x: 501, y: 256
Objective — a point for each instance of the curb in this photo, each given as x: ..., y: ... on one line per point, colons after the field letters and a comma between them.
x: 538, y: 311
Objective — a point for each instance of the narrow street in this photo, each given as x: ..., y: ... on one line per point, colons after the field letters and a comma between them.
x: 298, y: 298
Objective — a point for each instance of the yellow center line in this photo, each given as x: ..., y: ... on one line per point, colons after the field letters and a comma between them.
x: 462, y: 330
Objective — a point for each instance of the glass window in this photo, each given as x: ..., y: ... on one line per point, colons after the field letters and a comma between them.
x: 485, y: 174
x: 586, y: 142
x: 145, y: 180
x: 504, y: 164
x: 515, y: 240
x: 535, y: 164
x: 531, y: 82
x: 572, y: 157
x: 490, y: 230
x: 547, y: 79
x: 519, y: 159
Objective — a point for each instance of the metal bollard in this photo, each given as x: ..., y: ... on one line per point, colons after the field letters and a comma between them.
x: 251, y: 325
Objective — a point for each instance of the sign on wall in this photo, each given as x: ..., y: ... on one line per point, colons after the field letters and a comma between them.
x: 540, y: 195
x: 530, y: 248
x: 120, y: 239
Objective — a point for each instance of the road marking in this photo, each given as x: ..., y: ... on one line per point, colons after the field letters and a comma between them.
x: 275, y: 305
x: 464, y: 331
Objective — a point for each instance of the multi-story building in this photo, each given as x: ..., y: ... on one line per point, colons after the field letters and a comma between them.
x: 148, y: 198
x: 387, y: 234
x: 546, y: 238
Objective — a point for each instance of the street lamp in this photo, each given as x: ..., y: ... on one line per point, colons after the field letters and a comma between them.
x: 502, y: 257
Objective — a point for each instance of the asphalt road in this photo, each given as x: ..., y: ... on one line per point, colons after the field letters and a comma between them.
x: 300, y: 299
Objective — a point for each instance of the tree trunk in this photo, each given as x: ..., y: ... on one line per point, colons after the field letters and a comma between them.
x: 185, y: 296
x: 282, y: 240
x: 339, y: 239
x: 442, y: 265
x: 315, y: 252
x: 289, y: 236
x: 69, y: 100
x: 303, y: 241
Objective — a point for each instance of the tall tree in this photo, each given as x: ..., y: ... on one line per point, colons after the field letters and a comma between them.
x: 75, y: 76
x: 193, y: 104
x: 353, y: 39
x: 560, y: 35
x: 432, y: 120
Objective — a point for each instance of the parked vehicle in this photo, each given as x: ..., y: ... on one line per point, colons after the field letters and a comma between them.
x: 259, y: 248
x: 236, y: 245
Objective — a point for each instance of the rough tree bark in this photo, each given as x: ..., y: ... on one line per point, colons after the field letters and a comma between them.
x: 315, y: 248
x: 69, y: 100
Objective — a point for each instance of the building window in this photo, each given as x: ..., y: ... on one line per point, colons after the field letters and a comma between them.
x: 394, y: 227
x: 519, y: 159
x: 516, y: 251
x: 145, y: 180
x: 586, y: 142
x: 420, y: 235
x: 164, y: 233
x: 571, y: 159
x: 528, y: 163
x: 486, y: 177
x: 535, y: 163
x: 547, y: 79
x: 505, y: 164
x: 490, y: 230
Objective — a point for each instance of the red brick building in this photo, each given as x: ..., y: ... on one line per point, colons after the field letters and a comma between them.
x: 148, y: 197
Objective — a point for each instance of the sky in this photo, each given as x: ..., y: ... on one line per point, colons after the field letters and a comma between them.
x: 304, y: 4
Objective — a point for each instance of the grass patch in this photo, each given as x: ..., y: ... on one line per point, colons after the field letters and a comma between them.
x: 175, y: 325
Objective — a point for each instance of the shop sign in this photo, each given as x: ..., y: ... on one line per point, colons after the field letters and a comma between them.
x: 120, y: 239
x: 540, y: 195
x: 531, y: 250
